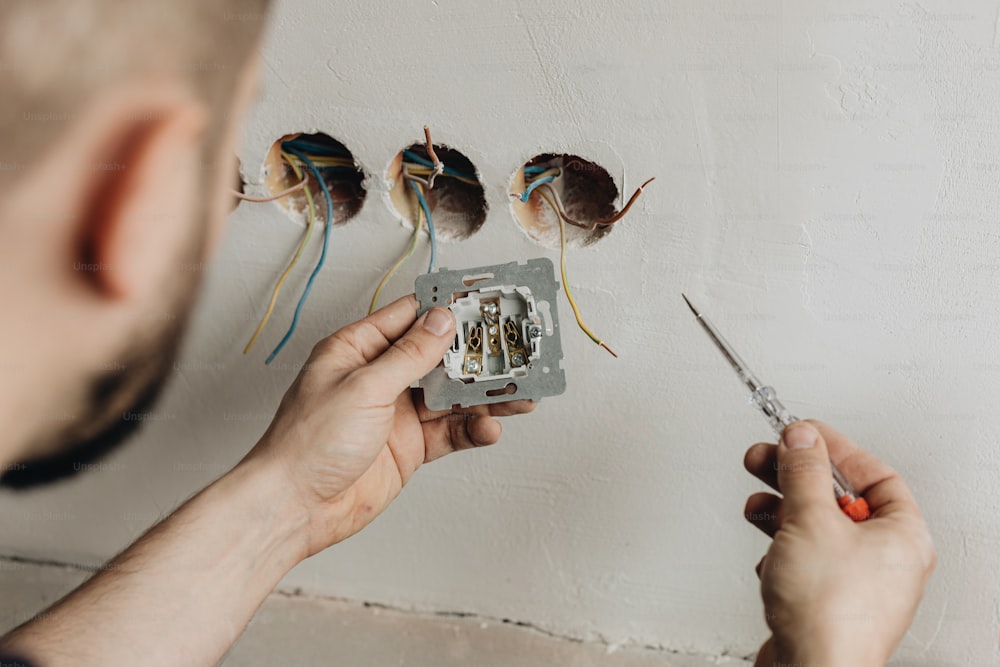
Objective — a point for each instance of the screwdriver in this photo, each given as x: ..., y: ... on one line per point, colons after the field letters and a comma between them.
x: 766, y: 400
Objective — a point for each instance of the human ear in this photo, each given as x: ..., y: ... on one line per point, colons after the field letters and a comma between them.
x: 141, y: 208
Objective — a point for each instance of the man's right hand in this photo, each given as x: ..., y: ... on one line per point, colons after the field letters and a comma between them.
x: 835, y: 592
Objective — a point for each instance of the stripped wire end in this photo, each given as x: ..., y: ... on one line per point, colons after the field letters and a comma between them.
x: 605, y: 346
x: 438, y: 168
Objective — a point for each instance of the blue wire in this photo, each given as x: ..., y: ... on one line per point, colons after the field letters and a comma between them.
x: 430, y: 225
x: 535, y: 170
x: 535, y: 184
x: 316, y: 148
x: 413, y: 157
x: 322, y: 258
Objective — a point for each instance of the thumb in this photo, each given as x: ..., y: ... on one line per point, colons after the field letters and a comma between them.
x: 804, y: 476
x: 415, y: 354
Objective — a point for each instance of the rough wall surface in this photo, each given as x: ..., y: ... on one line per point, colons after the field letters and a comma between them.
x: 828, y: 181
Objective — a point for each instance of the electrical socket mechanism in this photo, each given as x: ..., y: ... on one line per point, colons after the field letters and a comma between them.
x: 507, y: 343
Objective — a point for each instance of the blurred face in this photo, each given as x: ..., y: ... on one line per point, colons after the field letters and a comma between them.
x: 132, y: 317
x: 117, y: 397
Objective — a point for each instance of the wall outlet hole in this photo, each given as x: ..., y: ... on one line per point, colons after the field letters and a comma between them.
x: 340, y: 171
x: 457, y: 201
x: 586, y: 189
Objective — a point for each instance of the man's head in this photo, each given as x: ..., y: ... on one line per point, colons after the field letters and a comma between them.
x: 117, y: 131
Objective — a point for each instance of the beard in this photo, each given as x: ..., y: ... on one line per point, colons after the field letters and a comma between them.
x: 115, y: 403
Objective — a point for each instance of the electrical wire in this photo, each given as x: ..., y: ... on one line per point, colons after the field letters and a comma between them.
x: 438, y: 168
x: 315, y: 148
x: 399, y: 263
x: 260, y: 200
x: 295, y: 258
x: 410, y: 156
x: 621, y: 214
x: 316, y: 156
x: 535, y: 169
x: 544, y: 177
x: 322, y: 258
x: 425, y: 171
x: 430, y: 224
x: 430, y: 148
x: 419, y: 173
x: 541, y: 179
x: 547, y: 193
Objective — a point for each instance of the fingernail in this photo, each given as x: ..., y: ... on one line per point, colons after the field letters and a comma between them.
x: 800, y: 437
x: 438, y: 321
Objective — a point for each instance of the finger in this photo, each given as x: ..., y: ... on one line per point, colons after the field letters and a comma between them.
x: 426, y: 414
x: 761, y: 460
x: 861, y: 468
x: 483, y: 431
x: 394, y: 319
x: 512, y: 408
x: 509, y: 409
x: 759, y: 566
x: 804, y: 476
x: 455, y: 432
x: 364, y: 341
x: 882, y: 487
x: 763, y: 510
x: 412, y: 356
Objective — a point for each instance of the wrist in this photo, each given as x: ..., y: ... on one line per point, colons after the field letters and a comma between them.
x: 272, y: 510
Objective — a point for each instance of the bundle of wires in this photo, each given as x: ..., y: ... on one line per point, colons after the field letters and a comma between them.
x: 419, y: 173
x: 540, y: 180
x: 309, y: 161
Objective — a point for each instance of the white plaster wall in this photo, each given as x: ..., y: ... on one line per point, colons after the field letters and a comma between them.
x: 828, y: 178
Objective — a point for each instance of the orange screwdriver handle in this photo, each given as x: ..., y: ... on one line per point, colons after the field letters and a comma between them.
x: 857, y: 509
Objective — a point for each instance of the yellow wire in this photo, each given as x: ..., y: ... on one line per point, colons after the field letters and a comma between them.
x: 562, y: 265
x: 426, y: 171
x: 551, y: 171
x: 293, y: 163
x: 332, y: 162
x: 402, y: 260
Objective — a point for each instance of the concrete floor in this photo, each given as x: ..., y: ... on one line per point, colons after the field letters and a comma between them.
x: 318, y: 631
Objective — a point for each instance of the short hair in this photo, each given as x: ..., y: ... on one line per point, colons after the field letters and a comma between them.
x: 58, y: 55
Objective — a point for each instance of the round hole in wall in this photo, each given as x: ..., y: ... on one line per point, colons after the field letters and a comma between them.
x: 335, y: 162
x: 584, y: 189
x: 456, y: 199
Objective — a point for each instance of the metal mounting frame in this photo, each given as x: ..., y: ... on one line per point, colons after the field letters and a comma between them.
x: 546, y: 376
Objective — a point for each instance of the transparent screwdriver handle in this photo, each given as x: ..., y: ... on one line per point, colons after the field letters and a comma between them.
x: 853, y: 505
x: 777, y: 414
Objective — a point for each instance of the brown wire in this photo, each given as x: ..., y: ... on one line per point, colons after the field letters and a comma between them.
x: 600, y: 222
x: 284, y: 193
x: 603, y: 222
x: 438, y: 165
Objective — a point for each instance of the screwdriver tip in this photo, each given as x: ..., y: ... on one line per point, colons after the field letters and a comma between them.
x: 690, y: 305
